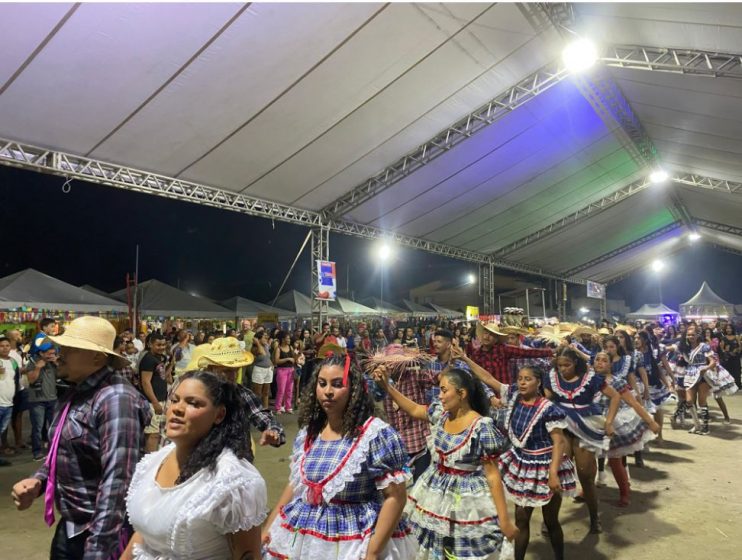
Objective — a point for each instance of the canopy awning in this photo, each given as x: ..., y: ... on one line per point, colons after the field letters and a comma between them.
x: 350, y: 307
x: 157, y: 299
x: 243, y: 307
x: 707, y: 303
x: 301, y: 305
x: 651, y: 311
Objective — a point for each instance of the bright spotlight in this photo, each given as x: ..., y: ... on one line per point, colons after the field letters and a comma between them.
x: 694, y: 236
x: 580, y: 55
x: 657, y: 265
x: 471, y: 278
x: 584, y: 310
x: 385, y: 251
x: 658, y: 176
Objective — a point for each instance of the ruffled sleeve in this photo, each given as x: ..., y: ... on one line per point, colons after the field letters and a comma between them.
x: 597, y: 383
x: 554, y: 418
x: 435, y: 411
x: 239, y: 499
x: 638, y: 360
x: 487, y: 441
x: 620, y: 385
x: 296, y: 454
x: 387, y: 461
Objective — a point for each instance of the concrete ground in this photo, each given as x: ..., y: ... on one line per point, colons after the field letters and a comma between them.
x: 686, y: 503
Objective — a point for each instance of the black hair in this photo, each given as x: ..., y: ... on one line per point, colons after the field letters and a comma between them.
x: 4, y: 338
x: 45, y: 322
x: 536, y: 372
x: 360, y: 405
x: 627, y: 339
x: 231, y: 433
x: 614, y: 339
x: 462, y: 379
x: 117, y: 341
x: 445, y: 333
x: 154, y: 337
x: 572, y: 355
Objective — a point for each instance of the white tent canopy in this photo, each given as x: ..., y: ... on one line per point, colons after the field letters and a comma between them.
x: 418, y: 310
x: 651, y: 311
x: 509, y: 155
x: 350, y: 307
x: 31, y: 288
x: 446, y: 312
x: 157, y: 299
x: 301, y: 305
x: 243, y: 307
x: 385, y: 308
x: 706, y: 303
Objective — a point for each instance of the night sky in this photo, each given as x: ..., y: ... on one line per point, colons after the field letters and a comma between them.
x: 88, y: 236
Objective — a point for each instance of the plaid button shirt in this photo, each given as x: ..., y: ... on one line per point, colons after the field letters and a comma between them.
x: 98, y: 451
x: 495, y: 360
x: 260, y: 418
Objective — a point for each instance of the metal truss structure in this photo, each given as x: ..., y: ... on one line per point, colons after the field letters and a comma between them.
x: 24, y: 156
x: 320, y: 252
x: 709, y: 183
x: 628, y: 247
x: 577, y: 216
x: 504, y: 103
x: 716, y: 226
x: 676, y: 61
x: 487, y: 287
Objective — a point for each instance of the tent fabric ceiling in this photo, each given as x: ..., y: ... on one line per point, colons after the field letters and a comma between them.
x: 299, y: 103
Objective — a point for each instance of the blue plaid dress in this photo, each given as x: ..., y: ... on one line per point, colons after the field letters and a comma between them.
x: 525, y: 466
x: 631, y: 433
x: 451, y: 503
x: 577, y: 399
x: 338, y: 495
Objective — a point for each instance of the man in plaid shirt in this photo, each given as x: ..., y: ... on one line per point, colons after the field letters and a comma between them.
x: 493, y: 354
x: 101, y: 424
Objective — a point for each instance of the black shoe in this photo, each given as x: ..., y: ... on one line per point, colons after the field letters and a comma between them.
x: 639, y: 462
x: 595, y: 527
x: 39, y: 457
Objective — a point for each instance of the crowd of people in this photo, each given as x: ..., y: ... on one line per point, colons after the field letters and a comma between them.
x: 422, y: 441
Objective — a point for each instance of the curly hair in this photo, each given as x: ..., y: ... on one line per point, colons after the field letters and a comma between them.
x: 231, y: 433
x: 462, y: 379
x: 359, y: 409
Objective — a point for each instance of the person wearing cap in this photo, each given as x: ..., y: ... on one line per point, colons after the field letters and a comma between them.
x: 224, y: 357
x: 41, y: 373
x: 96, y: 439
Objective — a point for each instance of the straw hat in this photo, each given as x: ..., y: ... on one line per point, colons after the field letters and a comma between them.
x: 224, y: 352
x: 510, y: 329
x: 584, y: 329
x: 492, y: 328
x: 91, y: 333
x: 551, y: 334
x: 604, y: 330
x: 631, y: 331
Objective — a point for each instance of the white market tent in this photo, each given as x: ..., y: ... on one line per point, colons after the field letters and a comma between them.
x: 706, y: 303
x: 350, y: 307
x: 243, y: 307
x: 454, y: 127
x: 651, y: 311
x: 446, y: 312
x: 157, y: 299
x: 31, y: 288
x: 300, y: 305
x: 418, y: 310
x: 386, y: 308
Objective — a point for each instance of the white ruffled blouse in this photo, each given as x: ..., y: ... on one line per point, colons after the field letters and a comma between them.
x: 190, y: 521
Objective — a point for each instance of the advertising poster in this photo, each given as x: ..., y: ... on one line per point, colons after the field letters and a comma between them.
x: 327, y: 288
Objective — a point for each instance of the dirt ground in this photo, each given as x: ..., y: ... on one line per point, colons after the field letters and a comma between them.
x: 686, y: 503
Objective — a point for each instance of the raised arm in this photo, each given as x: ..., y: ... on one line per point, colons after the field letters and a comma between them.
x: 418, y: 411
x: 484, y: 376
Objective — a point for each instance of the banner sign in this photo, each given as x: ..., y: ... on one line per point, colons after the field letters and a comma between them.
x: 327, y: 288
x: 267, y: 319
x: 472, y: 313
x: 595, y: 290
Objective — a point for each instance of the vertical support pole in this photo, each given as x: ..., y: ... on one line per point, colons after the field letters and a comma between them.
x: 603, y: 307
x: 491, y: 286
x: 528, y: 307
x: 321, y: 252
x: 543, y: 302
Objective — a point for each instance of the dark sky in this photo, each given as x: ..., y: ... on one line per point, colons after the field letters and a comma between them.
x: 88, y: 236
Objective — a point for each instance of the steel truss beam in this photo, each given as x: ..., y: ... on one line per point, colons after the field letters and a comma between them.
x: 24, y: 156
x: 676, y: 61
x: 487, y: 287
x: 320, y: 252
x: 474, y: 122
x: 709, y: 183
x: 628, y: 247
x: 578, y: 216
x: 727, y: 249
x: 716, y: 226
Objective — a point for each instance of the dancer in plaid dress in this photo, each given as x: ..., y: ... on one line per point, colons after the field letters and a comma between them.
x: 457, y: 508
x: 535, y: 470
x: 633, y: 426
x: 574, y: 388
x: 346, y: 489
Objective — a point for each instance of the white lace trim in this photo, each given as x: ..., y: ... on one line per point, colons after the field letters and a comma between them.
x: 397, y: 477
x: 542, y: 407
x: 464, y: 447
x: 347, y: 474
x: 569, y: 395
x: 552, y: 425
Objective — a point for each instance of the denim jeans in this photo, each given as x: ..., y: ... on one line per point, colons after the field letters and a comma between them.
x: 6, y: 412
x: 41, y: 413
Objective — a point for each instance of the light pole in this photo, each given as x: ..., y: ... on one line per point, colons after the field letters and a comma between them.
x: 657, y: 267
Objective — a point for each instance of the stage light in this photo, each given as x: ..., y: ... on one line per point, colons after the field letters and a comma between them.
x: 384, y: 252
x: 658, y: 176
x: 694, y: 236
x: 584, y: 310
x: 471, y: 279
x: 657, y: 265
x: 580, y: 55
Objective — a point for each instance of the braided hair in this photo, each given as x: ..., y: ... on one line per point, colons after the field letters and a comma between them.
x: 360, y: 405
x: 231, y: 433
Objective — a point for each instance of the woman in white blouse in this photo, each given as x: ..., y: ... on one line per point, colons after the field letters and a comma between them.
x: 198, y: 498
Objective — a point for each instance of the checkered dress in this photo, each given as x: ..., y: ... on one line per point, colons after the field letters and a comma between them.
x: 525, y: 466
x: 631, y: 432
x: 338, y: 495
x: 451, y: 505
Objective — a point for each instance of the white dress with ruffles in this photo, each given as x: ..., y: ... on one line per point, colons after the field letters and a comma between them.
x: 190, y: 521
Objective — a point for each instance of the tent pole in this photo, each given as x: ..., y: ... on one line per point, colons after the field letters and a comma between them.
x: 293, y: 264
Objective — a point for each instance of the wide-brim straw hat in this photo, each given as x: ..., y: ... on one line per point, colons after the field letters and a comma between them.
x: 604, y: 330
x: 510, y: 329
x: 225, y: 352
x: 631, y: 331
x: 91, y: 333
x: 492, y: 328
x: 584, y: 329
